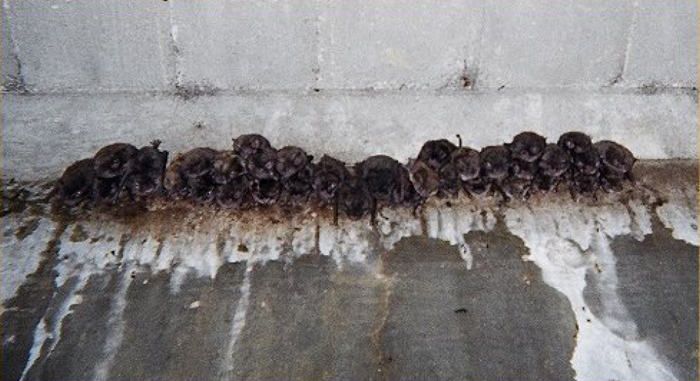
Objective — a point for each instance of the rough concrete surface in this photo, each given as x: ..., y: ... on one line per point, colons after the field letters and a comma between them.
x: 245, y: 44
x: 9, y: 65
x: 656, y: 315
x: 398, y: 44
x: 662, y: 40
x: 77, y: 45
x: 350, y: 126
x: 550, y: 44
x: 98, y: 45
x: 467, y: 290
x: 446, y: 321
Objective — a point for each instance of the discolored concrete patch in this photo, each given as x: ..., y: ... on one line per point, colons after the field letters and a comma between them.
x: 27, y: 229
x: 84, y: 333
x: 23, y: 312
x: 163, y: 338
x: 307, y: 321
x: 200, y: 341
x: 45, y: 329
x: 496, y: 321
x: 659, y: 278
x: 78, y: 234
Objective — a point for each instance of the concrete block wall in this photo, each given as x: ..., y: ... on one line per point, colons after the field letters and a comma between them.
x: 663, y: 45
x: 628, y: 67
x: 235, y: 45
x: 555, y: 43
x: 90, y: 45
x: 102, y: 45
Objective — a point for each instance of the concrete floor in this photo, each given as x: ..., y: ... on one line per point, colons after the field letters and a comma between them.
x: 470, y: 290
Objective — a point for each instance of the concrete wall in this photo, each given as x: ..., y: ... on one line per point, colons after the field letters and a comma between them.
x: 542, y: 289
x: 381, y: 76
x: 102, y: 45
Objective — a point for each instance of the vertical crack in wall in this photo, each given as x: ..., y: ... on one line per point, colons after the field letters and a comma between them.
x: 472, y: 74
x: 16, y: 83
x: 175, y: 49
x: 180, y: 87
x: 316, y: 69
x: 164, y: 46
x: 620, y: 75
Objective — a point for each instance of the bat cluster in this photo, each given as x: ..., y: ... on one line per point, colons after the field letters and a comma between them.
x: 254, y: 173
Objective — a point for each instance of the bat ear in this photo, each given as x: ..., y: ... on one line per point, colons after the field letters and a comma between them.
x: 310, y: 157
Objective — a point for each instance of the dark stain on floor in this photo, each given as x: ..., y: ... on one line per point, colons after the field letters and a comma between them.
x: 79, y: 234
x: 450, y: 323
x: 660, y: 278
x: 84, y: 332
x: 284, y: 332
x: 24, y: 311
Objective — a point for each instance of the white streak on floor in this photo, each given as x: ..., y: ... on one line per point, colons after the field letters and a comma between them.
x: 203, y: 257
x: 115, y: 324
x: 432, y: 221
x: 303, y: 237
x: 256, y: 243
x: 641, y: 219
x: 352, y: 242
x: 613, y: 312
x: 466, y: 253
x: 239, y: 319
x: 74, y: 298
x: 400, y: 223
x: 142, y: 248
x: 452, y: 223
x: 88, y: 257
x: 21, y: 257
x: 567, y: 244
x: 176, y: 249
x: 679, y: 215
x: 76, y: 260
x: 41, y: 332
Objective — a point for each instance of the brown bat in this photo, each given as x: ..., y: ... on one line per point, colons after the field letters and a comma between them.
x: 76, y: 183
